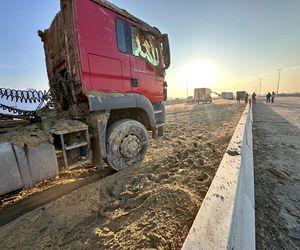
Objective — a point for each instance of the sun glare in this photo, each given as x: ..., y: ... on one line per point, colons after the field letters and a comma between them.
x: 202, y: 75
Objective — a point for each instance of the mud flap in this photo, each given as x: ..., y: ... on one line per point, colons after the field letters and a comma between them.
x: 158, y: 132
x: 98, y: 125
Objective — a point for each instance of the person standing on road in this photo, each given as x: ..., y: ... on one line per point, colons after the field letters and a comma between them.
x: 246, y: 98
x: 272, y: 97
x: 253, y: 97
x: 238, y: 98
x: 268, y: 97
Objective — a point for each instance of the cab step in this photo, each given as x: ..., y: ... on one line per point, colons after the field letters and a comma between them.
x: 75, y: 146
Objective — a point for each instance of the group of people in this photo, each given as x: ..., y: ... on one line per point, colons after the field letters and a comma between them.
x: 246, y: 98
x: 270, y: 97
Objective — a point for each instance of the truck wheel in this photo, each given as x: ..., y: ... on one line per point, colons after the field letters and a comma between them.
x: 127, y: 144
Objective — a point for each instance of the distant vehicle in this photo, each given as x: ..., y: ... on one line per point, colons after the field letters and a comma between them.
x: 189, y: 99
x: 227, y: 95
x: 202, y: 95
x: 241, y: 94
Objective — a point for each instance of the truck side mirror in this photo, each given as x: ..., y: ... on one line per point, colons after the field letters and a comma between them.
x: 166, y: 51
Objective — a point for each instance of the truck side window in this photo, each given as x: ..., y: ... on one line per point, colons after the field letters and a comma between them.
x: 144, y: 45
x: 121, y: 35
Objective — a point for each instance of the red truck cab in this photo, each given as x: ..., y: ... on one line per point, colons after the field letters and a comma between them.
x: 106, y: 49
x: 101, y: 60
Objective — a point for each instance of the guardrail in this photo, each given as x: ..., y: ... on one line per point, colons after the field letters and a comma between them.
x: 226, y: 219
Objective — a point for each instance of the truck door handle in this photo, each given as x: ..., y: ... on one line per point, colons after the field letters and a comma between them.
x: 134, y: 82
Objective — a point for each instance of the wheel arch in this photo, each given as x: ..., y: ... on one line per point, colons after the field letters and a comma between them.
x: 137, y: 114
x: 118, y: 103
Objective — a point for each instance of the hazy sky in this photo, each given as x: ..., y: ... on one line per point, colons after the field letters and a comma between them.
x: 227, y: 45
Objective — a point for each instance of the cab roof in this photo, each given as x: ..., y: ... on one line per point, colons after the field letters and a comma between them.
x: 143, y: 25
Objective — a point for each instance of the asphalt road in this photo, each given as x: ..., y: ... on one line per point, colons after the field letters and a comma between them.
x: 276, y: 135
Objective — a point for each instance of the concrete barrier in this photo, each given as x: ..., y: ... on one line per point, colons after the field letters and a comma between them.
x: 226, y: 219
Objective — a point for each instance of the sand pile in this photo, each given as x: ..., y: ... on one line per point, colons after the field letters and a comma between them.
x: 31, y: 135
x: 148, y: 206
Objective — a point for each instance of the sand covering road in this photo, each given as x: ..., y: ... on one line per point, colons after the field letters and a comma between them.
x: 148, y: 206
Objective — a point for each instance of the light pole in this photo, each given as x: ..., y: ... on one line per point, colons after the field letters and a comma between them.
x: 259, y: 86
x: 187, y: 89
x: 279, y: 71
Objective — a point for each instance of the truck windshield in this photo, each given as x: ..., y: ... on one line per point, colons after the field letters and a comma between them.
x: 145, y: 46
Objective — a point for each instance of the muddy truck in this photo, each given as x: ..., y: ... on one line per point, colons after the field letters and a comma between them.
x: 241, y: 94
x: 227, y: 95
x: 106, y: 71
x: 202, y: 95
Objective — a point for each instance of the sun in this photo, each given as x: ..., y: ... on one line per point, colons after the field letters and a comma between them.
x: 201, y: 75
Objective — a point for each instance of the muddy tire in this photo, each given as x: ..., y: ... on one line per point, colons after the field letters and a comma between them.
x: 127, y: 144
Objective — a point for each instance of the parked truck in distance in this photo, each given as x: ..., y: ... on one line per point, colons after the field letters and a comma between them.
x: 202, y: 95
x: 190, y: 99
x: 227, y: 95
x: 241, y: 95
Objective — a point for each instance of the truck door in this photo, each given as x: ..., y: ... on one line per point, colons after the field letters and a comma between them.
x: 109, y: 64
x: 143, y: 60
x: 124, y: 49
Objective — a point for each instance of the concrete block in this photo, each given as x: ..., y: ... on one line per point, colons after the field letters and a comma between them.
x: 226, y: 219
x: 23, y: 165
x: 42, y: 162
x: 10, y: 178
